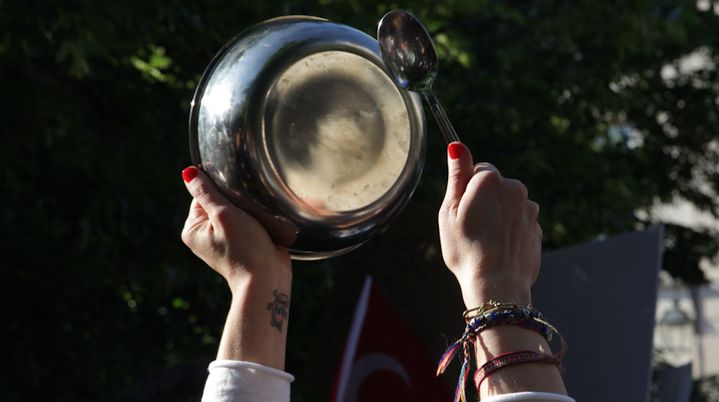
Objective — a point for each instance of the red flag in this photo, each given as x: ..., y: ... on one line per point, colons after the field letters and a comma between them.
x: 383, y: 360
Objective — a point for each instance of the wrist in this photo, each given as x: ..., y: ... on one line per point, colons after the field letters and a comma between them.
x: 475, y: 294
x: 239, y: 278
x: 253, y: 283
x: 508, y: 338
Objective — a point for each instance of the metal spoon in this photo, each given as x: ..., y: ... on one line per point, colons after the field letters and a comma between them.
x: 409, y: 53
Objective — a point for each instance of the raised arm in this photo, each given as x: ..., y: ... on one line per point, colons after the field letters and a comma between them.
x: 491, y: 242
x: 251, y: 354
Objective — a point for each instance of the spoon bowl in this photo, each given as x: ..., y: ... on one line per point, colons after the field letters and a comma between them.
x: 408, y: 51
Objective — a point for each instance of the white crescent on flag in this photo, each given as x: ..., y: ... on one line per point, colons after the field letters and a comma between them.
x: 369, y: 364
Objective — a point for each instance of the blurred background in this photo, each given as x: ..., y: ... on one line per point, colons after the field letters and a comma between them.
x: 607, y: 110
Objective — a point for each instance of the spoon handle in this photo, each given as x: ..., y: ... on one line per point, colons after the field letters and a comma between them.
x: 442, y: 120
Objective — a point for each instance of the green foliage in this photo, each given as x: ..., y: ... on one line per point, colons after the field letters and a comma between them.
x: 568, y: 96
x: 706, y: 389
x: 689, y: 246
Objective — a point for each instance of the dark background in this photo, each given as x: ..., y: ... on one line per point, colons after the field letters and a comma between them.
x: 98, y: 292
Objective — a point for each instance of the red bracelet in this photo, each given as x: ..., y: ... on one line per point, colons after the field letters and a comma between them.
x: 508, y: 359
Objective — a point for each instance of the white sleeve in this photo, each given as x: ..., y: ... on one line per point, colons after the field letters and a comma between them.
x: 240, y: 381
x: 529, y: 396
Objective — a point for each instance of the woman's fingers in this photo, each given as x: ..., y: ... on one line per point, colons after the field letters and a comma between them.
x: 485, y: 167
x: 196, y: 215
x: 533, y: 210
x: 459, y: 169
x: 214, y: 210
x: 197, y: 219
x: 204, y: 191
x: 206, y: 200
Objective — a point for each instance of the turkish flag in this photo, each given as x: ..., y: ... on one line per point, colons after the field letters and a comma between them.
x: 383, y: 360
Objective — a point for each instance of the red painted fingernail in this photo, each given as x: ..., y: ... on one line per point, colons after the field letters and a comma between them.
x: 455, y: 150
x: 189, y: 173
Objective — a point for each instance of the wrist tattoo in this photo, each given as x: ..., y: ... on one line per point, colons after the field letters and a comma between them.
x: 279, y: 309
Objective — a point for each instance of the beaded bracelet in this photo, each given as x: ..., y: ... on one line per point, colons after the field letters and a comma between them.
x: 494, y: 306
x: 521, y: 316
x: 531, y: 324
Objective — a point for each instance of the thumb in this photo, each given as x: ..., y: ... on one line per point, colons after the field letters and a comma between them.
x: 204, y: 191
x: 460, y: 170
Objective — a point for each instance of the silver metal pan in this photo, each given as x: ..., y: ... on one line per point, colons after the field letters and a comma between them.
x: 298, y: 122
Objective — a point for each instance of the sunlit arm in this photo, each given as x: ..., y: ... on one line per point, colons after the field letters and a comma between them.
x: 251, y: 356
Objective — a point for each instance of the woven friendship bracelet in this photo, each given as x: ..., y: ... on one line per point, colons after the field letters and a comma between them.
x: 493, y: 313
x: 509, y: 359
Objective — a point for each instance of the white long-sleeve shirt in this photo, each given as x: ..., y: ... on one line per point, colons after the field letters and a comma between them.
x: 240, y: 381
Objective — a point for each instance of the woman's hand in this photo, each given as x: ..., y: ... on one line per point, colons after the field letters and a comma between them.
x: 488, y: 228
x: 229, y: 240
